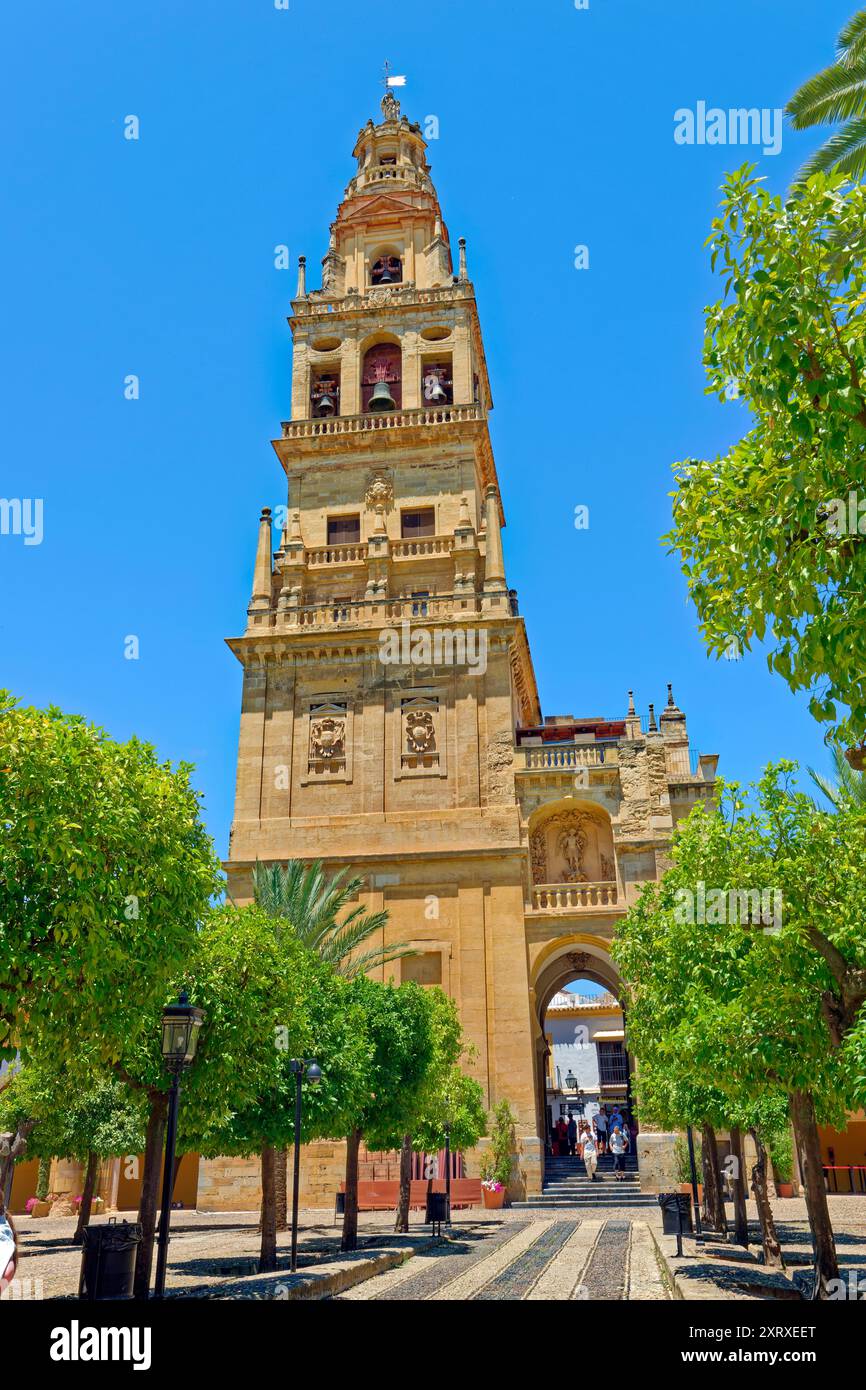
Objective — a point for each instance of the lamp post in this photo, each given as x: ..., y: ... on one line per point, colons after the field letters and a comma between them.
x: 180, y: 1025
x: 447, y: 1128
x: 299, y: 1066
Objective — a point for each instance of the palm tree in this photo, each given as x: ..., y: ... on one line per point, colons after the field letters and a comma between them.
x: 838, y: 93
x: 307, y: 903
x: 849, y: 788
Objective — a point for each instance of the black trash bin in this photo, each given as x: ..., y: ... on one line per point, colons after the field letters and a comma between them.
x: 676, y: 1215
x: 437, y: 1208
x: 108, y: 1260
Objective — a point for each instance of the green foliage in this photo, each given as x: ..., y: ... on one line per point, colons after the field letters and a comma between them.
x: 738, y: 1007
x: 781, y: 1150
x: 399, y: 1028
x: 105, y: 873
x: 849, y: 787
x: 72, y: 1120
x: 838, y: 93
x: 765, y: 551
x: 496, y: 1162
x: 308, y: 903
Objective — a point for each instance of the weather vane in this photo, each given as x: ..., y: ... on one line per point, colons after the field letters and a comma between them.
x: 389, y: 80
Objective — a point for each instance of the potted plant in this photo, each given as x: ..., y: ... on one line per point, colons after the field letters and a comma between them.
x: 684, y: 1168
x: 34, y: 1206
x: 782, y: 1159
x: 496, y: 1162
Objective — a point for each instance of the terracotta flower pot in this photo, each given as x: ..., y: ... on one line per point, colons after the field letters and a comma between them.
x: 40, y: 1209
x: 491, y: 1199
x: 786, y: 1189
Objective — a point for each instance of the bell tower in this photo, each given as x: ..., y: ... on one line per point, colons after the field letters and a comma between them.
x: 385, y: 665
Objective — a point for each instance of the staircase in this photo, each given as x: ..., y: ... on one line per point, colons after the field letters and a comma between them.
x: 567, y: 1186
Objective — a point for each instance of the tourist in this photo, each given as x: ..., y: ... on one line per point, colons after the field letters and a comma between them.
x: 601, y: 1129
x: 590, y: 1152
x: 618, y: 1146
x: 572, y: 1135
x: 8, y: 1251
x: 616, y: 1118
x: 562, y: 1136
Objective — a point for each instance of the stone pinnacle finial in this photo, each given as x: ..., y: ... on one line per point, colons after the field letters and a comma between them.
x: 631, y: 708
x: 653, y: 727
x: 261, y: 596
x: 302, y: 278
x: 462, y: 244
x: 671, y: 700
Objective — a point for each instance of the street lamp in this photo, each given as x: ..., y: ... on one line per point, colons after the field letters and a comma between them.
x: 314, y: 1075
x: 180, y: 1025
x: 699, y: 1235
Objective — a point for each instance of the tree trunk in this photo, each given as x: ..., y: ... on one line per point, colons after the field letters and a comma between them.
x: 268, y: 1255
x: 281, y: 1188
x: 812, y: 1174
x: 150, y: 1184
x: 713, y: 1215
x: 741, y: 1221
x: 86, y: 1198
x: 402, y: 1222
x: 12, y: 1147
x: 350, y: 1216
x: 773, y: 1256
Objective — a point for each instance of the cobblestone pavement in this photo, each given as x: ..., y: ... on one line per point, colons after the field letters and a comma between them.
x: 548, y: 1258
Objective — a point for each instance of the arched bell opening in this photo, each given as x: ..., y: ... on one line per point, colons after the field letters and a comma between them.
x: 386, y: 268
x: 382, y: 378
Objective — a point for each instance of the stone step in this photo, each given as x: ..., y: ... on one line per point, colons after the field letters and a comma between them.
x: 585, y: 1203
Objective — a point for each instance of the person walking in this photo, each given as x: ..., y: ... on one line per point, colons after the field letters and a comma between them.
x: 572, y: 1135
x: 601, y: 1129
x: 590, y: 1152
x: 618, y: 1146
x: 562, y: 1135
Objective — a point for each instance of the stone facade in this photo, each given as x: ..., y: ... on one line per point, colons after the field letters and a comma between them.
x: 390, y: 718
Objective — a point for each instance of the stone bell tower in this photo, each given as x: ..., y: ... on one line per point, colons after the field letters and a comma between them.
x: 385, y: 665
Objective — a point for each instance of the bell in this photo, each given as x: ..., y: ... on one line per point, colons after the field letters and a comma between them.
x: 381, y: 398
x: 436, y: 395
x: 326, y: 405
x: 386, y: 278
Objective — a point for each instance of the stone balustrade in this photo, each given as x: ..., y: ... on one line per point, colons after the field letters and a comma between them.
x: 573, y: 897
x: 558, y: 757
x: 374, y: 612
x: 331, y: 425
x: 337, y: 555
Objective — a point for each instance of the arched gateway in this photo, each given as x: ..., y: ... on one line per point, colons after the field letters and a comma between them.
x: 390, y: 717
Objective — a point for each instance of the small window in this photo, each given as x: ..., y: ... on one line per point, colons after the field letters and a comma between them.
x: 424, y: 969
x: 344, y: 530
x: 415, y: 524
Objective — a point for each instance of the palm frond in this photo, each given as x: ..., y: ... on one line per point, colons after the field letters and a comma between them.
x: 851, y: 43
x: 845, y: 152
x: 835, y: 94
x: 317, y: 911
x: 849, y: 788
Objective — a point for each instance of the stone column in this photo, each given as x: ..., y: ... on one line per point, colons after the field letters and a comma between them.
x: 261, y: 596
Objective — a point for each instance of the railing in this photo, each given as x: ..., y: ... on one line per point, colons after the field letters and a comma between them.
x: 572, y: 897
x: 430, y: 545
x: 368, y: 612
x: 856, y: 1173
x: 557, y: 756
x: 612, y: 1071
x: 321, y: 301
x: 381, y: 420
x: 337, y: 555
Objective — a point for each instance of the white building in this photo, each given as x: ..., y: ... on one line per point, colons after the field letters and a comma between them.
x: 587, y: 1062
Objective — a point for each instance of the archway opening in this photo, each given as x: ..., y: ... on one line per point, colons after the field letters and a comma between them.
x: 587, y: 1070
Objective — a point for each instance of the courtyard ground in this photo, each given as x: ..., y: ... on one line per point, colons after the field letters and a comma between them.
x: 614, y: 1253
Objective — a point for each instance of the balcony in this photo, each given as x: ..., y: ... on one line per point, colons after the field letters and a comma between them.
x: 373, y: 422
x: 376, y: 612
x: 564, y: 757
x: 322, y: 302
x: 568, y: 898
x: 353, y: 554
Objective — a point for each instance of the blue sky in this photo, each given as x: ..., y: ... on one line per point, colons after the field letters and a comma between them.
x: 155, y: 257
